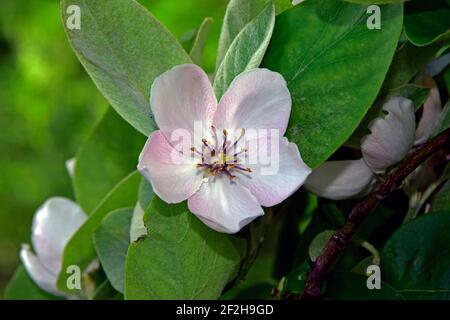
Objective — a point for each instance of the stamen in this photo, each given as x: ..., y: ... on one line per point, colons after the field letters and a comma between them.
x: 224, y: 146
x: 240, y: 152
x: 229, y: 174
x: 205, y: 143
x: 235, y: 156
x: 243, y: 169
x: 240, y: 137
x: 215, y: 137
x: 194, y: 150
x: 212, y: 165
x: 215, y: 170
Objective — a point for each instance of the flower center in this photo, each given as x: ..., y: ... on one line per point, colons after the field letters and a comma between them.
x: 216, y: 159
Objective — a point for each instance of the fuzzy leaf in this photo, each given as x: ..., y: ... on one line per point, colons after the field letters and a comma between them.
x: 111, y: 241
x: 181, y: 258
x: 247, y: 49
x: 108, y: 155
x: 123, y: 48
x: 415, y: 259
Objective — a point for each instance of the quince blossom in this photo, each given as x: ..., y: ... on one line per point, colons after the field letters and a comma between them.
x: 392, y: 137
x: 53, y: 225
x: 214, y: 171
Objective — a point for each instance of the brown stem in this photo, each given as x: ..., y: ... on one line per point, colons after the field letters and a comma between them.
x: 341, y: 238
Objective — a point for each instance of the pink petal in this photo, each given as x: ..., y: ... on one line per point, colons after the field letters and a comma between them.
x: 392, y: 135
x: 432, y: 110
x: 182, y: 96
x: 174, y: 176
x: 53, y: 225
x: 256, y: 99
x: 37, y: 271
x: 277, y: 170
x: 223, y: 205
x: 339, y: 180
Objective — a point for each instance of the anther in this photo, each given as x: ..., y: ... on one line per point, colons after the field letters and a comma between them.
x: 240, y: 137
x: 224, y: 146
x: 240, y: 152
x: 205, y: 143
x: 194, y: 150
x: 229, y: 174
x: 243, y: 169
x: 215, y: 136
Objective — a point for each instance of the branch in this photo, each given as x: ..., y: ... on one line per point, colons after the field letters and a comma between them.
x: 341, y: 238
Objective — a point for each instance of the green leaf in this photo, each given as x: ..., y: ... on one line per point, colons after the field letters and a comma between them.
x: 80, y: 249
x: 282, y: 5
x: 107, y: 156
x: 146, y: 194
x: 123, y: 48
x: 369, y: 2
x: 444, y: 120
x: 374, y: 223
x: 295, y: 282
x: 247, y: 49
x: 105, y: 291
x: 260, y: 291
x: 181, y: 258
x: 318, y: 243
x: 326, y: 217
x: 352, y: 286
x: 332, y: 213
x: 427, y: 21
x: 324, y: 50
x: 22, y: 287
x: 270, y: 245
x: 446, y: 80
x: 441, y: 201
x: 416, y: 259
x: 187, y: 39
x: 198, y: 47
x: 111, y: 241
x: 408, y: 61
x: 239, y: 13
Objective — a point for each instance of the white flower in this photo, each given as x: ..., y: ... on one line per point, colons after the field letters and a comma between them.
x: 339, y: 180
x: 54, y: 223
x: 391, y: 139
x: 224, y: 190
x: 392, y: 136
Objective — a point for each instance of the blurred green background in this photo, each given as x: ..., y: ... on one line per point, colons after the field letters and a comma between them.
x: 48, y: 105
